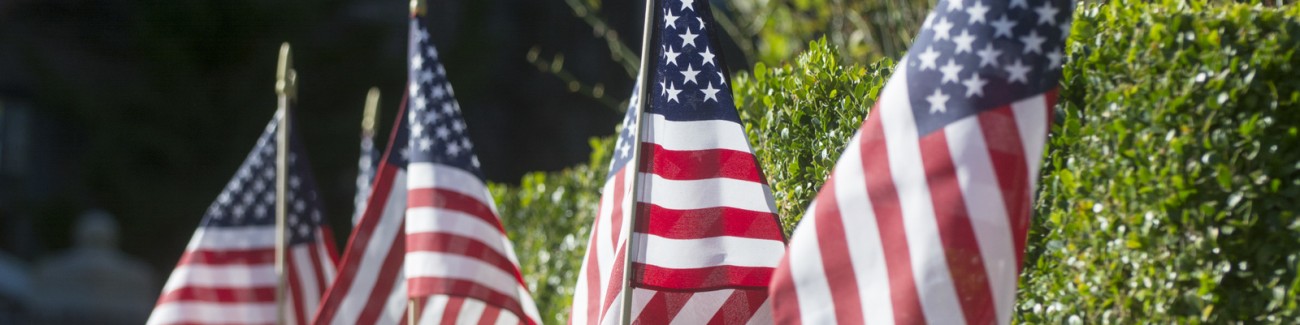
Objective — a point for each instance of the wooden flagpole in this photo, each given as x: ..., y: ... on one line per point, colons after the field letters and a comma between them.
x: 286, y: 90
x: 643, y: 101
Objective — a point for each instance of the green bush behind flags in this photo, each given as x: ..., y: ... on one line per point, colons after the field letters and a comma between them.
x: 1170, y: 188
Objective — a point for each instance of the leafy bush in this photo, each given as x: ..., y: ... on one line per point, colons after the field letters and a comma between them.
x: 1172, y: 186
x: 1169, y: 191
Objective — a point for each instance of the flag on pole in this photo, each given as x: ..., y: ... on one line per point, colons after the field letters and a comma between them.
x: 227, y: 273
x: 460, y: 266
x: 924, y: 218
x: 371, y: 288
x: 366, y: 165
x: 455, y: 268
x: 706, y: 237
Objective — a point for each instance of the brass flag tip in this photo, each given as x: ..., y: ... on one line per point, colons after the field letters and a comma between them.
x: 286, y: 78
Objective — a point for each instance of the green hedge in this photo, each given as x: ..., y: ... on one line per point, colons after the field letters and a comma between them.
x: 1172, y: 186
x: 1169, y: 190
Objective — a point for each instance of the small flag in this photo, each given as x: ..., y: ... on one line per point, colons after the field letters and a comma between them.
x: 227, y: 273
x: 430, y: 234
x: 460, y: 267
x: 371, y: 288
x: 366, y: 165
x: 924, y: 218
x: 706, y: 238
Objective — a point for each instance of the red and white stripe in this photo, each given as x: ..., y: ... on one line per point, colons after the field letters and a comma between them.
x: 371, y: 287
x: 937, y: 222
x: 227, y: 275
x: 706, y: 240
x: 459, y: 262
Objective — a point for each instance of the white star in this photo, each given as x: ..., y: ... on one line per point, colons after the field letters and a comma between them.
x: 433, y: 53
x: 688, y: 4
x: 710, y: 93
x: 928, y: 58
x: 938, y: 102
x: 459, y: 126
x: 464, y: 142
x: 1054, y: 57
x: 442, y: 132
x: 672, y: 56
x: 416, y: 61
x: 708, y: 57
x: 438, y: 92
x: 701, y: 20
x: 988, y: 56
x: 417, y: 129
x: 623, y: 150
x: 419, y: 102
x: 1019, y: 3
x: 426, y: 76
x: 1047, y: 13
x: 950, y: 71
x: 974, y: 85
x: 929, y: 20
x: 964, y: 41
x: 672, y: 93
x: 1003, y: 26
x: 453, y: 149
x: 977, y: 12
x: 1065, y: 29
x: 721, y: 77
x: 942, y: 28
x: 670, y: 20
x: 425, y: 144
x: 1018, y: 71
x: 1033, y: 42
x: 954, y: 5
x: 663, y: 89
x: 688, y: 38
x: 414, y: 89
x: 448, y: 107
x: 474, y: 161
x: 689, y: 75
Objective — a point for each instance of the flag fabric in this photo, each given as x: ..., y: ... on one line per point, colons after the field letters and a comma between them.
x: 371, y: 287
x: 460, y: 266
x: 923, y: 219
x: 227, y: 273
x: 366, y: 165
x: 706, y: 239
x: 428, y: 184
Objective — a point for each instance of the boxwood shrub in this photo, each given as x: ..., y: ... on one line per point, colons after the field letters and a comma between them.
x: 1170, y: 187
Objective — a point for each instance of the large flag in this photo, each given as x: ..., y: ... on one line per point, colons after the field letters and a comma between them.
x: 924, y: 217
x: 460, y: 267
x: 706, y: 239
x: 428, y: 196
x: 227, y: 273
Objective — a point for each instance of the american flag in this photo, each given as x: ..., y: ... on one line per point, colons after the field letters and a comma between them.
x: 371, y: 288
x: 460, y: 267
x: 430, y: 231
x: 706, y: 239
x: 227, y: 273
x: 366, y: 165
x: 937, y: 184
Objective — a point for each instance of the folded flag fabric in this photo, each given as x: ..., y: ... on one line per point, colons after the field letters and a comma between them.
x: 923, y: 219
x: 227, y: 273
x: 706, y: 238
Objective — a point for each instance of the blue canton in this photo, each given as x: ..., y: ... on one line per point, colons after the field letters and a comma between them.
x: 623, y: 148
x: 436, y: 128
x: 689, y: 83
x: 976, y: 55
x: 249, y: 198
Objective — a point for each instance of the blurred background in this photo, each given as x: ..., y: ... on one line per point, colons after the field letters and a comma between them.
x: 121, y: 120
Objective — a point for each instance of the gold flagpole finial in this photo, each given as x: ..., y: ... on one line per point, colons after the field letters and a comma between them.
x: 286, y: 78
x: 417, y: 8
x: 372, y: 107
